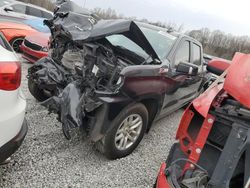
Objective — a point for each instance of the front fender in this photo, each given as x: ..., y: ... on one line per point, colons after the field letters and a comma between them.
x: 203, y: 103
x: 111, y: 107
x: 106, y: 113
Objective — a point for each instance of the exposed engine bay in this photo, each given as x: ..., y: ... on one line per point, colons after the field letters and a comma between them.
x: 214, y: 135
x: 83, y: 63
x: 224, y: 159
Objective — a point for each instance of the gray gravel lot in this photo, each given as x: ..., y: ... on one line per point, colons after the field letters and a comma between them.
x: 47, y: 159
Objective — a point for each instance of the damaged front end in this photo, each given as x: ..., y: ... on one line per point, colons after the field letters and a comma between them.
x: 83, y: 65
x: 74, y: 85
x: 213, y: 148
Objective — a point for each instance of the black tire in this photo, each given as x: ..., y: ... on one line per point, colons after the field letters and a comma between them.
x: 154, y: 186
x: 107, y: 145
x: 15, y: 43
x: 36, y: 91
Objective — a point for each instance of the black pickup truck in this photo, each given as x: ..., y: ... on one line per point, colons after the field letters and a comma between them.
x: 114, y: 78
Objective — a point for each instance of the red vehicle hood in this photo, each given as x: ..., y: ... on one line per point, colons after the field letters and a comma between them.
x: 236, y: 84
x: 17, y: 26
x: 203, y: 103
x: 41, y: 39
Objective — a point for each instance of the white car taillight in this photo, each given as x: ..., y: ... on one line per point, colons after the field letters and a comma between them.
x: 10, y: 75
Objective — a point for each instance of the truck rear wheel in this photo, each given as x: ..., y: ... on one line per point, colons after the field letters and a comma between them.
x: 127, y: 131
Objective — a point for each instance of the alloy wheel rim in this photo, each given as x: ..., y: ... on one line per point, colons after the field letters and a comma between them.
x: 16, y: 44
x: 128, y: 132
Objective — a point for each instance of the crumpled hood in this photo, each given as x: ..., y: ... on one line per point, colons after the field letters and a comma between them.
x: 237, y: 82
x: 68, y: 5
x: 128, y: 28
x: 77, y: 24
x: 70, y: 20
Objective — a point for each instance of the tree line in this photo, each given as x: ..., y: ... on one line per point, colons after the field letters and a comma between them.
x: 216, y: 43
x: 112, y: 14
x: 220, y: 44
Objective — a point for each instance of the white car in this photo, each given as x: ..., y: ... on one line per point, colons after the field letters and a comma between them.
x: 16, y: 10
x: 13, y: 126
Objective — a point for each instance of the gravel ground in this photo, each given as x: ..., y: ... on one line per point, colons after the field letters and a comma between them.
x: 47, y: 159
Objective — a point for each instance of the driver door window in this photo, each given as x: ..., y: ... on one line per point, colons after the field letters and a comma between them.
x: 183, y: 53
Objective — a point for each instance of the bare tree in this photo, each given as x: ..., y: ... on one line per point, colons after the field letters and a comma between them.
x: 219, y: 44
x: 216, y: 42
x: 112, y: 14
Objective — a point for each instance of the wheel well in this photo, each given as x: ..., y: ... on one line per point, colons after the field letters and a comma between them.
x: 14, y: 38
x: 152, y: 107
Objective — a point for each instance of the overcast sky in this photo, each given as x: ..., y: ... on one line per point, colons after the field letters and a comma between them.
x: 228, y: 16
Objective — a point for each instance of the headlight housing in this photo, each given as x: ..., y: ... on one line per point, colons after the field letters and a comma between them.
x: 45, y: 49
x: 120, y: 81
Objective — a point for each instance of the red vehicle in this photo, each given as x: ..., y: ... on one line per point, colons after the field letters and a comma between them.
x: 35, y: 46
x: 15, y: 33
x: 213, y: 148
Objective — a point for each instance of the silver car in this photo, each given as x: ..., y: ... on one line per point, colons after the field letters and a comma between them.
x: 15, y: 10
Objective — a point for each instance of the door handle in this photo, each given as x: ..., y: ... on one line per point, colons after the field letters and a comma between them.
x: 163, y: 70
x: 188, y: 78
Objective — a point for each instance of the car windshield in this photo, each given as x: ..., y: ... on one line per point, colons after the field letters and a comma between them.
x: 124, y: 42
x: 161, y: 41
x: 38, y: 25
x: 5, y: 2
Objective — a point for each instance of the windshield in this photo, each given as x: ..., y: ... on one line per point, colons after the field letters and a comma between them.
x: 124, y: 42
x: 38, y: 25
x: 160, y: 41
x: 3, y: 3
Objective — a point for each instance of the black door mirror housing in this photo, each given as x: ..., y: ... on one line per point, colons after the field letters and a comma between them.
x: 187, y: 68
x: 7, y: 9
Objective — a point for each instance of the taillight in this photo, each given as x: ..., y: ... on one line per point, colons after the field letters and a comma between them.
x: 10, y: 75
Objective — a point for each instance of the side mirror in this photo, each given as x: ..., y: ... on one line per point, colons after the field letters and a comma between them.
x: 7, y: 9
x: 217, y: 66
x: 187, y: 68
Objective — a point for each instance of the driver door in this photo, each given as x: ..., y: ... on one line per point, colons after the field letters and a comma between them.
x: 185, y: 83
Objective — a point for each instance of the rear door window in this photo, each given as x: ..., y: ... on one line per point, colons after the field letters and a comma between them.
x: 196, y: 54
x: 19, y: 8
x: 34, y: 12
x: 183, y: 53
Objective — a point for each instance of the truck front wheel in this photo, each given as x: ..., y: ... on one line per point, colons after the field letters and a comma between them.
x: 127, y: 131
